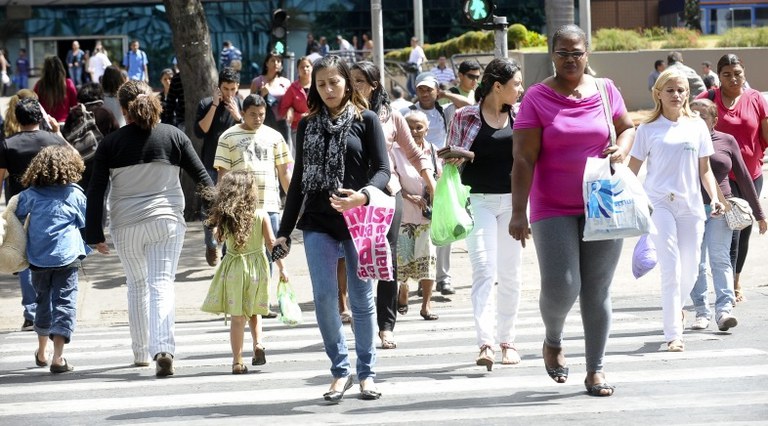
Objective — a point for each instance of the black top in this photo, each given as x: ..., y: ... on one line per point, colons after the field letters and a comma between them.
x: 173, y: 110
x: 366, y: 163
x: 222, y: 120
x: 489, y: 172
x: 17, y: 152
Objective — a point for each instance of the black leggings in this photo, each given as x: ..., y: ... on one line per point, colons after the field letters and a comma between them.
x: 386, y: 291
x: 740, y: 239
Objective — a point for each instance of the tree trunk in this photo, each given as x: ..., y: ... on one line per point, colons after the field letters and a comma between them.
x: 559, y: 13
x: 192, y: 44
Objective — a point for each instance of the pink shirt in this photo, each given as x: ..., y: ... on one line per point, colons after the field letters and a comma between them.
x: 60, y: 111
x: 572, y: 130
x: 743, y: 123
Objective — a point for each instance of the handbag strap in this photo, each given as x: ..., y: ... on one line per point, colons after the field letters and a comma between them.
x: 606, y: 108
x: 434, y: 161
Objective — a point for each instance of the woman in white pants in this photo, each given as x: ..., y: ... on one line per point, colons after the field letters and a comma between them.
x: 141, y: 161
x: 676, y: 145
x: 486, y: 130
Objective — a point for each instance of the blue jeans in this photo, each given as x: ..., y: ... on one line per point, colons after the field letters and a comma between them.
x: 76, y: 74
x: 322, y: 252
x: 22, y: 81
x: 716, y: 243
x: 28, y: 294
x: 56, y: 301
x: 210, y: 240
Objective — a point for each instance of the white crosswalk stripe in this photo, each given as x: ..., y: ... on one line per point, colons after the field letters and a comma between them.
x: 431, y: 371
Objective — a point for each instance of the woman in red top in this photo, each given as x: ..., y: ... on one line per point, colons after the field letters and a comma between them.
x: 742, y: 113
x: 57, y: 93
x: 293, y: 105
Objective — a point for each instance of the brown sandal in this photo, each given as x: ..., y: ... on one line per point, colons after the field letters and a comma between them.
x: 259, y: 355
x: 239, y: 368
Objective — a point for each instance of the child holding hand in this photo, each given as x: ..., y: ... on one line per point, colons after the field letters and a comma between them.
x: 240, y: 284
x: 55, y: 205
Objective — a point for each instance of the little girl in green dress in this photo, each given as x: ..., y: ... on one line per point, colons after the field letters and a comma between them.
x: 240, y: 285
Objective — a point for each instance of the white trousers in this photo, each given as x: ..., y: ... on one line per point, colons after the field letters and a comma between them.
x: 150, y: 254
x: 678, y: 248
x: 495, y: 256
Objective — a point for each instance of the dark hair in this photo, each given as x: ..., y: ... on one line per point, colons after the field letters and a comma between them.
x: 498, y: 70
x: 112, y: 80
x: 727, y: 60
x: 567, y: 31
x: 397, y: 93
x: 467, y: 66
x: 28, y: 111
x: 167, y: 71
x: 674, y: 57
x: 253, y: 100
x: 658, y: 63
x: 229, y: 75
x: 315, y: 101
x: 54, y: 165
x: 709, y: 81
x: 302, y: 59
x: 139, y: 101
x: 707, y: 64
x: 226, y: 43
x: 379, y: 97
x: 90, y: 92
x: 269, y: 56
x: 52, y: 87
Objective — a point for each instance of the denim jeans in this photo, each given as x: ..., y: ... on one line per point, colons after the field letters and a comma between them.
x: 210, y: 240
x: 56, y: 301
x: 322, y: 252
x: 28, y: 294
x: 495, y: 257
x: 76, y: 74
x: 716, y: 244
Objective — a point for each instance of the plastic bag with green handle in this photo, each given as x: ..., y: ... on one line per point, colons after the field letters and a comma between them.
x: 451, y: 213
x: 290, y: 311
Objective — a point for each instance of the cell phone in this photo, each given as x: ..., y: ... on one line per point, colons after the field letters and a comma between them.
x: 278, y: 252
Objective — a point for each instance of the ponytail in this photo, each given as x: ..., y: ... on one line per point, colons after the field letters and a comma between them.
x: 138, y: 100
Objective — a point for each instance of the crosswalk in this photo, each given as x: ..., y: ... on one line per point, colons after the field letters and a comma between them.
x: 430, y: 377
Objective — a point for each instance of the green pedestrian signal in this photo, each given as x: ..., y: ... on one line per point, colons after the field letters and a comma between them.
x: 478, y: 12
x: 279, y: 48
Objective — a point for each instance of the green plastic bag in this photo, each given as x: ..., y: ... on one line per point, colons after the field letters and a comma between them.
x: 451, y: 212
x: 290, y: 311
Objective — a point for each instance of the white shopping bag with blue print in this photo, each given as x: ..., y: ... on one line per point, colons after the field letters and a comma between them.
x: 615, y: 205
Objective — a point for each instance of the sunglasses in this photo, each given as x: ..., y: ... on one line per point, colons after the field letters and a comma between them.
x: 577, y: 54
x: 472, y: 76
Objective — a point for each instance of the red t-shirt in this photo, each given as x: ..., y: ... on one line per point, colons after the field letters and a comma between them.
x: 60, y: 111
x: 743, y: 122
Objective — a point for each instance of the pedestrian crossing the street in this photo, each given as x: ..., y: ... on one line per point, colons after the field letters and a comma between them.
x: 430, y: 377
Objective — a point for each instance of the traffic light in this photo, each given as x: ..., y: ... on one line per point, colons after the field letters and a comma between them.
x: 478, y: 12
x: 279, y: 31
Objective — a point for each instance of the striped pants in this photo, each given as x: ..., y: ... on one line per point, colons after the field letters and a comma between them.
x: 150, y: 252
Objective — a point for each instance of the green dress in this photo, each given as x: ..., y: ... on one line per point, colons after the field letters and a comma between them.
x: 241, y: 282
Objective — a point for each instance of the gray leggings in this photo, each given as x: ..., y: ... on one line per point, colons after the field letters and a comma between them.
x: 569, y: 268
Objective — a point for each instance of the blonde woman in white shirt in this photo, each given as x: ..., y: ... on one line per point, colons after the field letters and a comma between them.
x: 676, y: 145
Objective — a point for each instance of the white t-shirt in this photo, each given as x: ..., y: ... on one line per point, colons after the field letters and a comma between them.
x: 436, y: 132
x: 417, y: 55
x: 671, y: 151
x: 97, y: 64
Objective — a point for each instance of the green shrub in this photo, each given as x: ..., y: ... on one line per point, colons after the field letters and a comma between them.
x: 655, y: 33
x: 613, y: 39
x: 680, y: 38
x: 745, y: 37
x: 516, y: 35
x: 534, y: 39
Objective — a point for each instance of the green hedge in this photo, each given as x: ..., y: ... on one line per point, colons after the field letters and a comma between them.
x: 745, y: 37
x: 615, y: 39
x: 681, y: 38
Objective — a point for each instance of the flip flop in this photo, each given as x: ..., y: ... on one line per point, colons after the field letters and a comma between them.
x: 40, y: 363
x: 429, y: 316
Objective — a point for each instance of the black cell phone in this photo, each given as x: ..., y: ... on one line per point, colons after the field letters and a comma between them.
x: 278, y: 252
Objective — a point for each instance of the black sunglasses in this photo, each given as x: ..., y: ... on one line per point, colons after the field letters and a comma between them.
x: 472, y: 76
x: 577, y: 54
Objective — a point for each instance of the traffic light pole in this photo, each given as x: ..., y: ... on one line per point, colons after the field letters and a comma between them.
x: 377, y: 34
x: 501, y: 45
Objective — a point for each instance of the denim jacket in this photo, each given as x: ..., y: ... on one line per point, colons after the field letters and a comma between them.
x: 56, y: 214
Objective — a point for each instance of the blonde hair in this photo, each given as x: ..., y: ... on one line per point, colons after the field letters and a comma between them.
x: 233, y: 203
x: 665, y: 77
x: 54, y: 165
x: 12, y: 126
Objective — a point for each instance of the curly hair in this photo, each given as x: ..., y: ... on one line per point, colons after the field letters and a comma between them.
x: 54, y: 165
x: 233, y: 203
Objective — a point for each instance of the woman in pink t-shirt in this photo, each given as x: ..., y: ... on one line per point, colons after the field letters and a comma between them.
x: 743, y: 114
x: 561, y: 122
x: 57, y: 93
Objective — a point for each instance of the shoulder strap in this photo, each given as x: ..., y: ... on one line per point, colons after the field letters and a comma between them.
x: 606, y: 108
x: 412, y: 107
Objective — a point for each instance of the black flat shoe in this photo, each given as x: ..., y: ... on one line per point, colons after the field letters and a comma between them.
x: 56, y: 369
x: 40, y: 363
x: 429, y: 316
x: 336, y: 396
x: 369, y: 395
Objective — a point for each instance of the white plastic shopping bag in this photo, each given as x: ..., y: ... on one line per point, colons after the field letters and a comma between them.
x: 368, y: 225
x: 615, y: 205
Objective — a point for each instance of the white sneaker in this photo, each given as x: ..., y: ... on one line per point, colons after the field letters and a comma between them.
x: 726, y: 322
x: 700, y: 323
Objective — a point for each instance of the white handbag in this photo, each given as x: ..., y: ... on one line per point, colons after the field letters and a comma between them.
x: 739, y: 216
